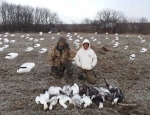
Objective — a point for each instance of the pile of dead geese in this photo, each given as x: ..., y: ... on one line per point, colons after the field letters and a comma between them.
x: 79, y: 96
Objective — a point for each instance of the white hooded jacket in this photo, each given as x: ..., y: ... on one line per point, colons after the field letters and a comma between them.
x: 86, y: 59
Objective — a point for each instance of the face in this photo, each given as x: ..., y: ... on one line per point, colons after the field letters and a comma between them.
x: 61, y: 44
x: 85, y: 46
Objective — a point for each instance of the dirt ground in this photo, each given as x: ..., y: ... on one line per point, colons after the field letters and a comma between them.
x: 18, y: 91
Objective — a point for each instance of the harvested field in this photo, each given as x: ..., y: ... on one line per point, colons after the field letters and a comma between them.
x: 18, y: 91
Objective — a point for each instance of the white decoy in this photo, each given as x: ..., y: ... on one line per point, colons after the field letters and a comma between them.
x: 41, y: 38
x: 58, y: 33
x: 27, y: 35
x: 49, y: 32
x: 54, y: 90
x: 78, y: 36
x: 126, y: 47
x: 117, y: 38
x: 139, y: 36
x: 75, y: 89
x: 43, y: 50
x: 70, y: 38
x: 142, y: 41
x: 99, y: 42
x: 26, y: 67
x: 75, y: 33
x: 52, y: 38
x: 5, y: 46
x: 92, y: 37
x: 28, y: 49
x: 22, y: 36
x: 68, y: 33
x: 1, y: 38
x: 116, y: 34
x: 43, y: 99
x: 12, y: 41
x: 127, y: 36
x: 5, y: 36
x: 12, y: 35
x: 76, y: 100
x: 11, y: 55
x: 63, y: 99
x: 116, y: 44
x: 66, y: 89
x: 6, y: 33
x: 106, y: 38
x: 30, y: 39
x: 106, y: 33
x: 95, y: 32
x: 40, y: 33
x: 81, y: 38
x: 36, y: 40
x: 1, y: 43
x: 53, y: 101
x: 143, y: 50
x: 37, y: 45
x: 1, y: 49
x: 132, y: 56
x: 6, y: 40
x: 86, y: 100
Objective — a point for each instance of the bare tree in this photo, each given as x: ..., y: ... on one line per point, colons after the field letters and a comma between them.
x: 108, y: 19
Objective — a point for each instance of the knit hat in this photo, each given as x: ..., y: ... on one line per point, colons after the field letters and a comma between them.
x: 62, y: 40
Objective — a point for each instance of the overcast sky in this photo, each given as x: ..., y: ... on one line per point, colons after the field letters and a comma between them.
x: 74, y: 11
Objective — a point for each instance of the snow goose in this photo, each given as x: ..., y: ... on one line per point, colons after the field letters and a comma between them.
x: 36, y: 40
x: 26, y: 67
x: 54, y: 90
x: 28, y: 49
x: 116, y: 93
x: 86, y: 100
x: 43, y: 50
x: 52, y: 38
x: 63, y: 99
x: 125, y: 47
x: 66, y: 89
x: 12, y: 41
x: 76, y: 100
x: 40, y: 33
x: 43, y: 99
x: 53, y: 101
x: 1, y: 49
x: 11, y: 55
x: 98, y: 100
x: 75, y: 89
x: 30, y: 39
x: 41, y: 38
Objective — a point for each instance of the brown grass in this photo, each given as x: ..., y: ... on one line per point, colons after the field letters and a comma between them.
x: 18, y: 91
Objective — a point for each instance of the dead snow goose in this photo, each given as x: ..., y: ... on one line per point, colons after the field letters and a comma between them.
x: 86, y: 100
x: 66, y: 89
x: 26, y: 67
x: 75, y: 89
x: 43, y: 99
x: 76, y: 100
x: 54, y: 90
x: 53, y: 101
x: 11, y: 55
x: 63, y: 99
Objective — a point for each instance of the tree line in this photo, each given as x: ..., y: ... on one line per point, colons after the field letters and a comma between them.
x: 28, y: 19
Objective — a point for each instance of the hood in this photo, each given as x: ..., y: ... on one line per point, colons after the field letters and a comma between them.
x: 86, y: 41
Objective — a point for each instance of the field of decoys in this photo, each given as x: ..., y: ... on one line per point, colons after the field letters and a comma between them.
x: 28, y: 88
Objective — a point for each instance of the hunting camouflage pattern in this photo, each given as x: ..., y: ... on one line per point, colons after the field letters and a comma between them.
x: 57, y: 60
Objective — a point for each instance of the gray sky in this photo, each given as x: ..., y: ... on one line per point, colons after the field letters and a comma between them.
x: 74, y: 11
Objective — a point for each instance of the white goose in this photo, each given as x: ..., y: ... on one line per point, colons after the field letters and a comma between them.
x: 41, y: 38
x: 53, y: 101
x: 1, y: 49
x: 12, y: 41
x: 26, y: 67
x: 143, y: 50
x: 43, y: 50
x: 43, y: 99
x: 75, y: 89
x: 5, y: 46
x: 76, y: 100
x: 54, y: 90
x: 86, y: 100
x: 63, y: 99
x: 11, y: 55
x: 66, y: 89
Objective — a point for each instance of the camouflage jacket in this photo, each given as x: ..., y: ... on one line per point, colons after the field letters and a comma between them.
x: 56, y: 59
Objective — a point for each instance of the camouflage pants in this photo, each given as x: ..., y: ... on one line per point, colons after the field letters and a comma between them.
x: 59, y: 71
x: 90, y: 75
